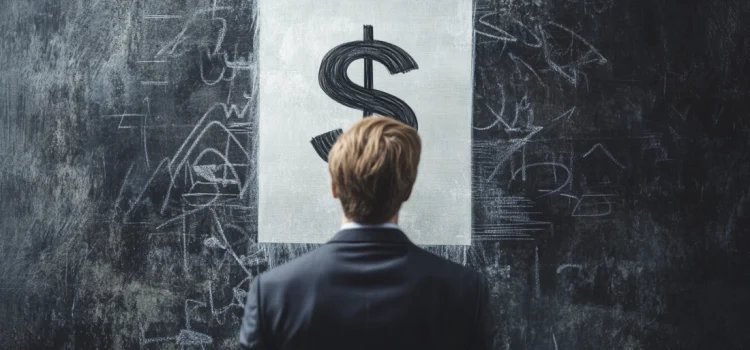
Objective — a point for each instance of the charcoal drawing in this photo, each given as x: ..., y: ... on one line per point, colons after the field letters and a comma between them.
x: 335, y: 82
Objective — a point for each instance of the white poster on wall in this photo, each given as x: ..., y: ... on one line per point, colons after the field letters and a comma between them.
x: 323, y: 65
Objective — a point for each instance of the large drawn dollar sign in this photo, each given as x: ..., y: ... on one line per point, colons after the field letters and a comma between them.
x: 336, y: 84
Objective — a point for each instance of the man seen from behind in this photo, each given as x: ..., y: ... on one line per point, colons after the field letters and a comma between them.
x: 369, y: 287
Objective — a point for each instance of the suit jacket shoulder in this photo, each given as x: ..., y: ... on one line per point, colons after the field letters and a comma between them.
x: 368, y: 290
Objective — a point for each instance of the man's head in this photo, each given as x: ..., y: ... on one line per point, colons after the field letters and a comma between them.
x: 373, y: 167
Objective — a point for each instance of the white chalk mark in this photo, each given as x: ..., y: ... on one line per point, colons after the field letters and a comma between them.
x: 144, y: 340
x: 518, y: 60
x: 154, y: 82
x: 498, y: 116
x: 522, y: 106
x: 182, y: 156
x: 226, y: 154
x: 226, y: 241
x: 604, y: 6
x: 184, y: 241
x: 231, y: 84
x: 537, y: 281
x: 567, y: 180
x: 571, y: 77
x: 494, y: 37
x: 186, y: 337
x: 174, y: 43
x: 565, y: 115
x: 240, y: 229
x: 502, y: 35
x: 577, y: 211
x: 153, y: 61
x: 209, y: 194
x: 208, y: 173
x: 143, y: 131
x: 211, y: 294
x: 241, y: 64
x: 569, y: 266
x: 232, y: 109
x: 200, y: 195
x: 122, y: 119
x: 189, y: 171
x: 192, y: 338
x: 222, y: 33
x: 554, y: 169
x: 181, y: 37
x: 227, y: 164
x: 184, y: 214
x: 162, y: 17
x: 523, y: 164
x: 538, y: 41
x: 203, y: 77
x: 213, y: 9
x: 247, y: 278
x: 683, y: 115
x: 554, y: 341
x: 145, y: 187
x: 515, y: 145
x: 169, y: 191
x: 122, y: 188
x: 189, y: 310
x: 603, y: 149
x: 144, y: 126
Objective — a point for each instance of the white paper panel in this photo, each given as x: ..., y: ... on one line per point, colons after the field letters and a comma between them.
x: 295, y: 202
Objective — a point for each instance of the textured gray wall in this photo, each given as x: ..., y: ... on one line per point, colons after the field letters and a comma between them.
x: 610, y: 173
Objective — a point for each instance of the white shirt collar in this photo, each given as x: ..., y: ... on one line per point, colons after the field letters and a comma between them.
x: 353, y: 225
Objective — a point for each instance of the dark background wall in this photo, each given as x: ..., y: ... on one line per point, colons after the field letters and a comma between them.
x: 611, y: 173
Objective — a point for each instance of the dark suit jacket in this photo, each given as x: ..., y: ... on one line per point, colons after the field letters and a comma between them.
x: 368, y: 289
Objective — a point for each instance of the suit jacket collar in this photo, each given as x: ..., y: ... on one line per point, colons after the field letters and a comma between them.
x: 375, y: 235
x: 351, y: 225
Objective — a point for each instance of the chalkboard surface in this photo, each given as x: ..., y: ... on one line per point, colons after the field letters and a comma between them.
x: 611, y: 176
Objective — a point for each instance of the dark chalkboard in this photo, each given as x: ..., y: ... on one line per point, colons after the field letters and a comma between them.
x: 611, y: 175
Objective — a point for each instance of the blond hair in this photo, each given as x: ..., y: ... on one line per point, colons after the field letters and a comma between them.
x: 373, y: 166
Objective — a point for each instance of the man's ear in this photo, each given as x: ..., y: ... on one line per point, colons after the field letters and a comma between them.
x: 333, y: 190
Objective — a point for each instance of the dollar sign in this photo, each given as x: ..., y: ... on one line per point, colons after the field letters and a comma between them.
x: 335, y: 82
